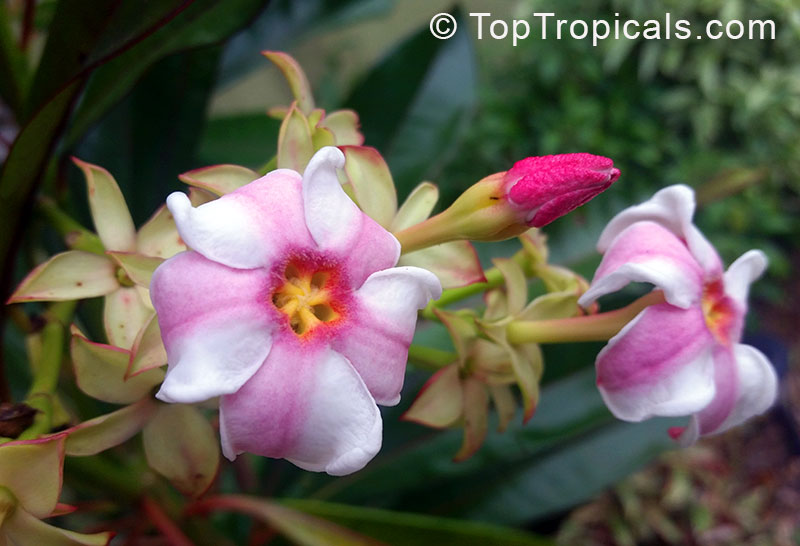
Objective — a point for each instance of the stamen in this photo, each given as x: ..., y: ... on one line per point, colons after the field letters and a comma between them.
x: 305, y: 298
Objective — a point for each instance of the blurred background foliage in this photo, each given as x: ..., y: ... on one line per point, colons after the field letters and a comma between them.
x: 150, y: 92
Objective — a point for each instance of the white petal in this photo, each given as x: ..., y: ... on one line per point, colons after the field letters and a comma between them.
x: 757, y: 389
x: 742, y: 272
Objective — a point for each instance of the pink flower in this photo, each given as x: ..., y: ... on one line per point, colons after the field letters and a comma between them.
x: 550, y: 186
x: 680, y: 357
x: 290, y: 309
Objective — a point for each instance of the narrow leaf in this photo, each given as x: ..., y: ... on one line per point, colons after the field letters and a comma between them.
x: 455, y: 263
x: 219, y: 179
x: 294, y: 142
x: 148, y: 350
x: 100, y: 372
x: 372, y: 183
x: 440, y: 402
x: 32, y: 471
x: 417, y: 206
x: 296, y: 78
x: 138, y: 267
x: 302, y: 529
x: 112, y: 220
x: 106, y: 431
x: 71, y: 275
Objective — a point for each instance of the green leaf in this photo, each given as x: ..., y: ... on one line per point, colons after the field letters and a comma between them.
x: 406, y: 529
x: 31, y: 470
x: 202, y: 23
x: 181, y: 445
x: 100, y: 372
x: 70, y: 275
x: 109, y: 430
x: 12, y: 66
x: 302, y: 529
x: 414, y: 105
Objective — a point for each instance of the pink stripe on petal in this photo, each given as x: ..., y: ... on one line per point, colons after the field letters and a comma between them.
x: 659, y: 364
x: 382, y: 325
x: 216, y: 323
x: 339, y: 226
x: 746, y: 386
x: 308, y: 405
x: 648, y: 252
x: 246, y: 228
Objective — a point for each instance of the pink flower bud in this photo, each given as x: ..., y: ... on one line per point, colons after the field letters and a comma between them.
x: 548, y: 187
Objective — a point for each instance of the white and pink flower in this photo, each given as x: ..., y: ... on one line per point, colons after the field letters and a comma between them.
x: 681, y: 357
x: 290, y: 308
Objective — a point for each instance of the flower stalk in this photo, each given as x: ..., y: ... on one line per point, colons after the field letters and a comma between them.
x: 599, y: 327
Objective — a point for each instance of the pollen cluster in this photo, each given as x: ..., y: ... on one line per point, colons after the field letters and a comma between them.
x: 305, y: 298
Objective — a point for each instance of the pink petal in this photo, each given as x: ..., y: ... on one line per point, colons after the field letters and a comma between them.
x: 216, y: 323
x: 248, y: 227
x: 648, y: 252
x: 747, y: 385
x: 673, y: 208
x: 381, y: 327
x: 306, y: 404
x: 658, y: 364
x: 339, y: 226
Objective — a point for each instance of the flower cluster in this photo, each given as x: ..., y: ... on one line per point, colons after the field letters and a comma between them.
x: 289, y: 298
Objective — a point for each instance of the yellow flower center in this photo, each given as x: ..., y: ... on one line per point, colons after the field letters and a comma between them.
x: 305, y: 298
x: 718, y: 312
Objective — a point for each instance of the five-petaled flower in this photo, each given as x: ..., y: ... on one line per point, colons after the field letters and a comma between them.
x: 683, y: 356
x: 289, y: 306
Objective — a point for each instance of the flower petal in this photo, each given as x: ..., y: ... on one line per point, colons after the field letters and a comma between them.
x: 339, y: 226
x: 382, y: 326
x: 215, y: 326
x: 660, y: 363
x: 747, y: 268
x: 673, y: 208
x: 246, y: 228
x: 747, y: 385
x: 648, y: 252
x: 308, y: 405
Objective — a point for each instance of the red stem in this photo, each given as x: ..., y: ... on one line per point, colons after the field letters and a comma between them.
x: 171, y: 532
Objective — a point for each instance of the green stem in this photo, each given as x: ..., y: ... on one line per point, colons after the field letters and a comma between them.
x: 494, y: 278
x: 45, y: 377
x: 75, y: 235
x: 428, y: 358
x: 433, y: 231
x: 599, y: 327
